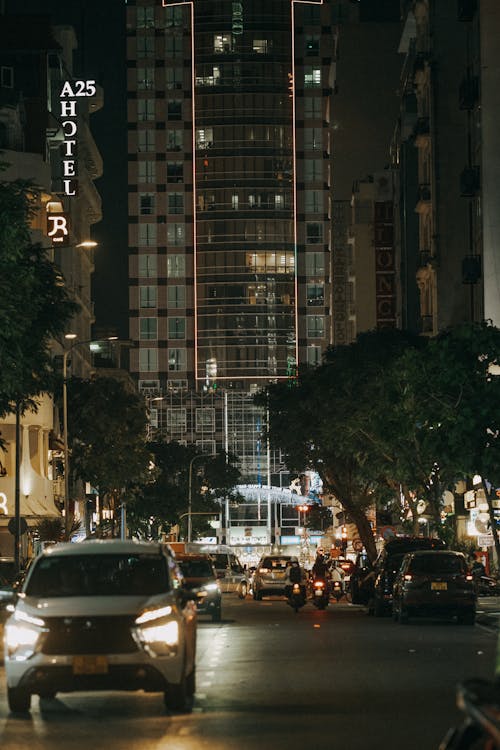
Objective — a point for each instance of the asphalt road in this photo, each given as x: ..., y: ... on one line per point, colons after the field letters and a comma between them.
x: 270, y: 679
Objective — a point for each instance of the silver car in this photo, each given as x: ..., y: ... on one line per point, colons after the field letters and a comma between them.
x: 102, y: 615
x: 271, y: 575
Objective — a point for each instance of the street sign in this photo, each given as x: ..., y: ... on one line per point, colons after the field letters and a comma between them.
x: 23, y: 526
x: 485, y: 540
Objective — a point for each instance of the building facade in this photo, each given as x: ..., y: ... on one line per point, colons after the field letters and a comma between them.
x: 229, y: 106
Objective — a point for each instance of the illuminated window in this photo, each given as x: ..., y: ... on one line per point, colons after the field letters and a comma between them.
x: 177, y: 328
x: 146, y: 203
x: 312, y: 76
x: 148, y: 360
x: 315, y: 294
x: 176, y: 296
x: 147, y: 266
x: 223, y: 43
x: 314, y: 232
x: 279, y: 202
x: 176, y: 266
x: 148, y: 328
x: 147, y: 296
x: 271, y: 262
x: 175, y: 233
x: 315, y: 326
x: 234, y: 201
x: 315, y: 264
x: 204, y: 137
x: 175, y: 203
x: 174, y: 140
x: 261, y: 46
x: 147, y: 235
x: 176, y: 359
x: 146, y: 140
x: 174, y: 109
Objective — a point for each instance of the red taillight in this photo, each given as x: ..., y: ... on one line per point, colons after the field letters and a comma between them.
x: 318, y: 584
x: 469, y: 577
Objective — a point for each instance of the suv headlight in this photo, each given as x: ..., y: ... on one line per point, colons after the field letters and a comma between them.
x: 156, y: 632
x: 210, y: 587
x: 22, y: 635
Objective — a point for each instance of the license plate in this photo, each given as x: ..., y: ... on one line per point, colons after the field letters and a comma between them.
x: 439, y: 586
x: 318, y: 592
x: 90, y: 665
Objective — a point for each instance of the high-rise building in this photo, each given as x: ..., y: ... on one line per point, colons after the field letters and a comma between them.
x: 229, y: 111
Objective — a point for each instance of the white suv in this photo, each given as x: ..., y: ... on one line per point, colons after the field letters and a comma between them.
x: 102, y: 615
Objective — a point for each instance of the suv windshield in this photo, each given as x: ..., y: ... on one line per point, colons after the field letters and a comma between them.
x: 196, y: 569
x: 433, y: 564
x: 98, y: 575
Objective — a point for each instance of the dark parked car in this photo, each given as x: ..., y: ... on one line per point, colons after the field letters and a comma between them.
x: 373, y: 584
x: 434, y: 583
x: 200, y: 578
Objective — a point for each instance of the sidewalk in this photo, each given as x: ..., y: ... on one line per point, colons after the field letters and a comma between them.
x: 488, y: 611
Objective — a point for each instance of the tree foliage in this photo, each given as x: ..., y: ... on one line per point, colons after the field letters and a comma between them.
x: 107, y: 430
x: 34, y: 304
x: 392, y: 413
x: 162, y: 500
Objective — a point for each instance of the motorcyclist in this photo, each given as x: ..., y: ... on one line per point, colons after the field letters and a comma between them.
x: 294, y: 575
x: 320, y: 569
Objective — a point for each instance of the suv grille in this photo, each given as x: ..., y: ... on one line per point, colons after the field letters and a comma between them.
x: 89, y: 635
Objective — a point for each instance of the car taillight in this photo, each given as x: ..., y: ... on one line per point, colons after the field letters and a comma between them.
x: 408, y: 577
x: 318, y: 584
x: 469, y: 577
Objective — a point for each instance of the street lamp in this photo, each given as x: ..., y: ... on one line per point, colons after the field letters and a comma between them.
x: 69, y: 336
x: 190, y: 492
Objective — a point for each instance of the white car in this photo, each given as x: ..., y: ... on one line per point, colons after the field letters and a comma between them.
x: 102, y: 615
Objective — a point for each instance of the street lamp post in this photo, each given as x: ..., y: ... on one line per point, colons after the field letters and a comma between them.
x: 190, y: 493
x: 65, y: 424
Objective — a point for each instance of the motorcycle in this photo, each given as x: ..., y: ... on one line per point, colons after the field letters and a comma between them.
x: 320, y: 594
x: 337, y: 590
x: 296, y: 596
x: 480, y: 729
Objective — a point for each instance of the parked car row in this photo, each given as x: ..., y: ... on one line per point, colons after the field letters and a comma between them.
x: 415, y: 576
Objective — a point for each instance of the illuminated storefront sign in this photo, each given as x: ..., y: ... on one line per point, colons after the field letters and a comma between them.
x: 70, y: 93
x: 58, y: 228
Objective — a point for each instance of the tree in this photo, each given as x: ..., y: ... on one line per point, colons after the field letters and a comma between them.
x: 162, y: 500
x: 34, y: 304
x: 107, y: 435
x: 328, y: 421
x: 459, y: 405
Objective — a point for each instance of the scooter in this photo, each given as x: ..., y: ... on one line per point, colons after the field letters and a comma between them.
x: 296, y: 596
x: 337, y: 590
x: 320, y: 595
x: 480, y: 730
